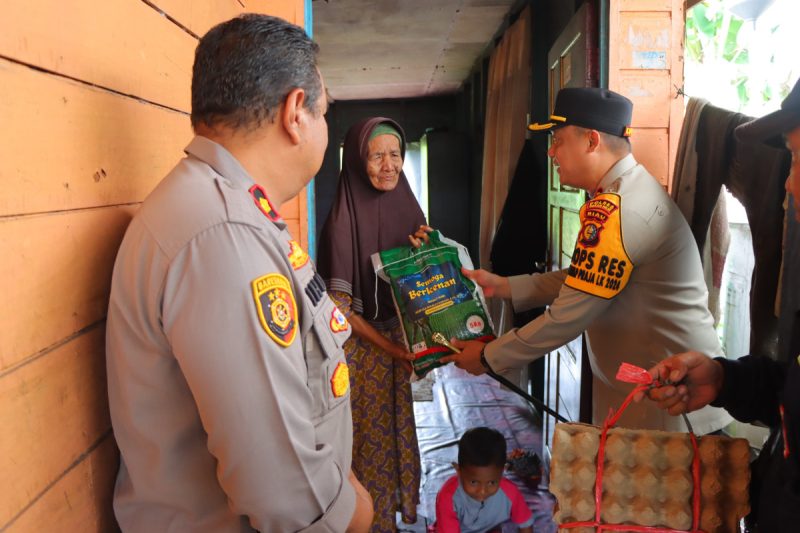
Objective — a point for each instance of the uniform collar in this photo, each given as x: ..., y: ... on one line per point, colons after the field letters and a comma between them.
x: 233, y: 173
x: 221, y: 160
x: 624, y: 165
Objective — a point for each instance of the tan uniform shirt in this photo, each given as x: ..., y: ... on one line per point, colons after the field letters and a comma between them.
x: 662, y: 309
x: 228, y: 386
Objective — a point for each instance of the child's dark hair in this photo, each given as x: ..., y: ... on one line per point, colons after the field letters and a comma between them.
x: 482, y: 446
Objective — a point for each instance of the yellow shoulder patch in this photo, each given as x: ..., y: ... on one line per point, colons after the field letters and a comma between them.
x: 600, y: 265
x: 340, y: 380
x: 276, y: 307
x: 297, y: 256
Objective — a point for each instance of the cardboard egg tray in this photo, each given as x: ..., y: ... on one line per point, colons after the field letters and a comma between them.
x: 647, y: 478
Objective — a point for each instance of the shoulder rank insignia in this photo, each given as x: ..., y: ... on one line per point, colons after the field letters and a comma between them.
x: 277, y: 309
x: 340, y: 380
x: 339, y: 322
x: 297, y: 256
x: 263, y: 203
x: 600, y: 265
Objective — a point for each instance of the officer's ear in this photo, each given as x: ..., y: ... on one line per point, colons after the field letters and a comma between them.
x: 292, y: 114
x: 594, y: 140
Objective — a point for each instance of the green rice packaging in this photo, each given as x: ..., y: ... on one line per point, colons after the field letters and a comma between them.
x: 432, y: 295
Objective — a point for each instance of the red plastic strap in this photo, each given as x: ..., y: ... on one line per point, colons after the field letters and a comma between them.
x: 633, y: 374
x: 786, y: 451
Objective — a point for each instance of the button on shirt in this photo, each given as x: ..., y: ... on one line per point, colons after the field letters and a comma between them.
x: 229, y: 415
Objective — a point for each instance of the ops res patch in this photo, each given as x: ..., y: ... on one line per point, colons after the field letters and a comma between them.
x: 600, y: 265
x: 276, y: 307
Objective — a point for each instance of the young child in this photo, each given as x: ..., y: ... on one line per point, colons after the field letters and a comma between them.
x: 478, y: 498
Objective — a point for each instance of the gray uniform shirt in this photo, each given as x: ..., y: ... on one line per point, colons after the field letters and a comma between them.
x: 227, y: 382
x: 662, y: 310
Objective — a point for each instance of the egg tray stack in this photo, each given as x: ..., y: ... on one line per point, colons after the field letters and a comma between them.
x: 647, y: 479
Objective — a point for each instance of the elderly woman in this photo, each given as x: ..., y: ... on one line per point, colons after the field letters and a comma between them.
x: 375, y: 210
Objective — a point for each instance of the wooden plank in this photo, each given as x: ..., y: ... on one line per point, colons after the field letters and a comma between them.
x: 81, y: 500
x: 295, y: 213
x: 291, y: 209
x: 65, y: 145
x: 650, y: 149
x: 646, y: 41
x: 123, y: 45
x: 677, y: 107
x: 303, y: 218
x: 646, y: 64
x: 645, y: 5
x: 53, y: 409
x: 293, y: 226
x: 55, y: 276
x: 199, y: 17
x: 651, y: 94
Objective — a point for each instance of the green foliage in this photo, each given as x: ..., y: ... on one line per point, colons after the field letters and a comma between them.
x: 713, y: 38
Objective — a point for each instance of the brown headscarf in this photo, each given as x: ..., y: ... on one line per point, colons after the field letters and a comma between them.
x: 362, y: 221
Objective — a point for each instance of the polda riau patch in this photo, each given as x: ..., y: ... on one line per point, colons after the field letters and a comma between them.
x: 590, y: 234
x: 297, y: 256
x: 276, y: 307
x: 340, y: 380
x: 339, y: 322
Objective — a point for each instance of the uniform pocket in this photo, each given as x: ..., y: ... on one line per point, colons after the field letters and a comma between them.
x: 334, y: 374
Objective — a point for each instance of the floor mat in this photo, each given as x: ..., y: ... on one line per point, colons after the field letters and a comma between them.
x: 461, y: 401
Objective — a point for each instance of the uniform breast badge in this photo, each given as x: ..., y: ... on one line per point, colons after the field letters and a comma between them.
x: 340, y: 380
x: 297, y: 256
x: 263, y: 203
x: 276, y: 307
x: 339, y: 322
x: 600, y: 265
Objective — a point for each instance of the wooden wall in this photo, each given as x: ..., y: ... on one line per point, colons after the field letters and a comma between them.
x: 94, y: 102
x: 645, y: 63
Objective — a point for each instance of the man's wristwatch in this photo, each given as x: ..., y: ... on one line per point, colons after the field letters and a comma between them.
x: 484, y: 362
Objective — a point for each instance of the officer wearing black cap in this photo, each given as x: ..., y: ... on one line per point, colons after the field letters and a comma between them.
x: 597, y: 109
x: 757, y: 388
x: 635, y: 283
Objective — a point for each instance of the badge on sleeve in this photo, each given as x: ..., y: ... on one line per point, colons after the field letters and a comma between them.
x: 263, y: 203
x: 339, y: 322
x: 340, y: 380
x: 600, y: 265
x: 277, y: 309
x: 297, y: 256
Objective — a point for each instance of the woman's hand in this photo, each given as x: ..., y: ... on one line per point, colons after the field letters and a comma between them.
x: 420, y: 236
x: 364, y: 330
x: 403, y: 356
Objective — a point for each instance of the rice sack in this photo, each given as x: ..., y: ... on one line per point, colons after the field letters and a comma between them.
x: 432, y: 295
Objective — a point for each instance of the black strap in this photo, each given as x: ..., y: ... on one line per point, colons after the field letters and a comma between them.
x: 535, y: 401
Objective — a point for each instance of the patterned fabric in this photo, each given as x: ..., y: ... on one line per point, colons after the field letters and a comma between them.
x: 385, y: 451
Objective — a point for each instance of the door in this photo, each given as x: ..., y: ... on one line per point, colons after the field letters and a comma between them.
x: 572, y: 63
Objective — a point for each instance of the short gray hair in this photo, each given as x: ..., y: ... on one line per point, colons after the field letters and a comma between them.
x: 244, y: 68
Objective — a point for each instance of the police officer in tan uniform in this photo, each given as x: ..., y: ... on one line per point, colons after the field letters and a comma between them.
x: 635, y: 283
x: 228, y: 387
